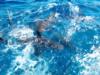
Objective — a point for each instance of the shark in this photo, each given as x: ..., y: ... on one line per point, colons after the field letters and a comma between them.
x: 40, y: 40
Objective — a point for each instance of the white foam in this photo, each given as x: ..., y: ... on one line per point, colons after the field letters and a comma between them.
x: 90, y: 62
x: 96, y: 37
x: 50, y: 5
x: 28, y: 50
x: 22, y: 33
x: 88, y: 18
x: 74, y: 9
x: 29, y: 66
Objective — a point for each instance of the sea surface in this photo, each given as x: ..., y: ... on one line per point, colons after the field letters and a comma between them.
x: 72, y: 28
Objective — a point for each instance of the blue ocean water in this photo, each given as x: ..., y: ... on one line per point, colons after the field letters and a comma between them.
x: 49, y: 37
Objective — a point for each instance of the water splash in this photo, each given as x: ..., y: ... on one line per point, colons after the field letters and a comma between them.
x: 69, y: 23
x: 90, y: 62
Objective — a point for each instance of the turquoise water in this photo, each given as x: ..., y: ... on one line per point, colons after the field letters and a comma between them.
x: 72, y: 27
